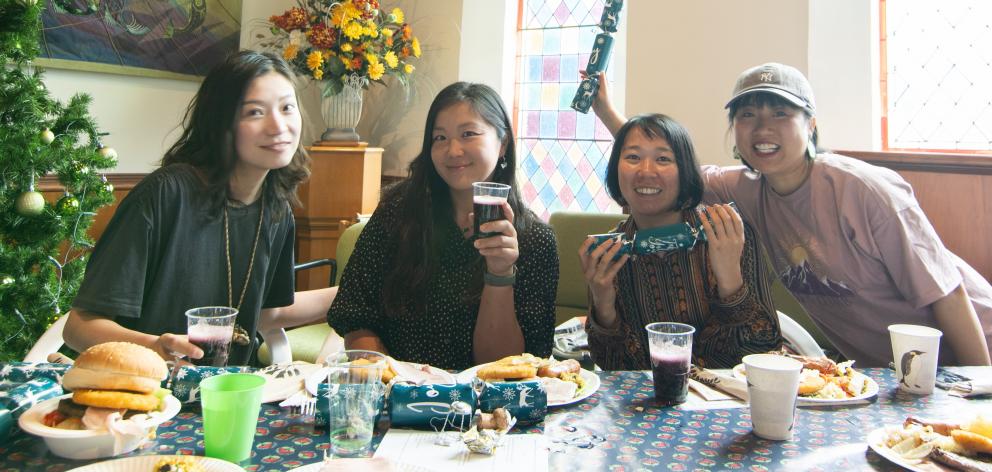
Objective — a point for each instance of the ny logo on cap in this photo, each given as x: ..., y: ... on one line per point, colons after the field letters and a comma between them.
x: 767, y: 77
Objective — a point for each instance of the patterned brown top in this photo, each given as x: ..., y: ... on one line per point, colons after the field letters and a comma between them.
x: 679, y: 286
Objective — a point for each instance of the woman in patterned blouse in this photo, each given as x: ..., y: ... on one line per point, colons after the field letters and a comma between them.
x: 419, y: 286
x: 720, y: 287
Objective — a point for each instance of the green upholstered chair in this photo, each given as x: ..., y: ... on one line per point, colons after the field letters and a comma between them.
x: 571, y: 229
x: 305, y: 342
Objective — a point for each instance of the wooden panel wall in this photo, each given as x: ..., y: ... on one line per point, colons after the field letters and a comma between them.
x: 123, y: 183
x: 955, y: 192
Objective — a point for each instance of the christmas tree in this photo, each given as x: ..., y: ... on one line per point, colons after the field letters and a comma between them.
x: 43, y: 245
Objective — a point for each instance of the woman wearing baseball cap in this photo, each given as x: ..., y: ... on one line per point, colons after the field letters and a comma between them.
x: 848, y: 239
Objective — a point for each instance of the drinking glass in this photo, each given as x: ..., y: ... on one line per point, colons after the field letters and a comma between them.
x: 231, y: 403
x: 211, y: 328
x: 355, y: 387
x: 671, y: 352
x: 487, y: 204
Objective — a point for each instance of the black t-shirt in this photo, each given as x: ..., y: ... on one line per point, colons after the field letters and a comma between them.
x: 162, y: 254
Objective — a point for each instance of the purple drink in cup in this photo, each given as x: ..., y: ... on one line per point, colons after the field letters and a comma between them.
x: 487, y: 205
x: 671, y: 353
x: 215, y: 342
x: 211, y: 329
x: 671, y: 378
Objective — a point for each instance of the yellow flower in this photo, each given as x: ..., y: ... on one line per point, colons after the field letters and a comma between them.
x: 391, y: 60
x: 318, y: 74
x: 376, y: 70
x: 314, y: 60
x: 346, y: 47
x: 353, y: 30
x: 290, y: 53
x: 398, y: 16
x: 346, y: 62
x: 387, y: 32
x: 371, y: 58
x: 408, y: 68
x: 416, y: 47
x: 370, y: 29
x: 343, y: 13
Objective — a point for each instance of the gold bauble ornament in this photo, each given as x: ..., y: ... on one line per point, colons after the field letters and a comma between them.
x: 30, y: 203
x: 47, y: 136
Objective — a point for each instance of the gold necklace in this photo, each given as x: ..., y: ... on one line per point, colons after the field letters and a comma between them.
x: 251, y: 262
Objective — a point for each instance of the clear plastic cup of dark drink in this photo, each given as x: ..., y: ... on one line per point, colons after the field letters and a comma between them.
x: 211, y: 328
x: 671, y: 353
x: 487, y: 204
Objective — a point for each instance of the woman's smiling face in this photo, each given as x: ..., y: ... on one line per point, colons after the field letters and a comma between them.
x: 772, y: 137
x: 648, y: 176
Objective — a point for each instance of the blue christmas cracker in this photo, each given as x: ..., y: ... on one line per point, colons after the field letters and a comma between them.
x: 599, y: 57
x: 428, y: 406
x: 526, y: 401
x: 654, y: 240
x: 186, y: 385
x: 18, y: 397
x: 20, y: 372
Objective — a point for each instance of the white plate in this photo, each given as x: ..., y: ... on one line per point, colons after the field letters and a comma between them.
x: 870, y: 392
x: 141, y: 463
x: 876, y: 441
x: 591, y: 379
x: 87, y: 444
x: 396, y: 466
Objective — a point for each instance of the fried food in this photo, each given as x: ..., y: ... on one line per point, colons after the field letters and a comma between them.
x: 972, y: 441
x: 178, y: 464
x: 553, y: 368
x: 115, y: 399
x: 387, y: 374
x: 498, y: 371
x: 811, y: 381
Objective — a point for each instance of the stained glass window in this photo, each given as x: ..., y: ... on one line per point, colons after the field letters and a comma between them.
x: 562, y: 153
x: 938, y: 68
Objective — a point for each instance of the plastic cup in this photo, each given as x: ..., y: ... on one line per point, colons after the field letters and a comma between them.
x: 772, y: 390
x: 231, y: 403
x: 487, y: 204
x: 211, y: 329
x: 355, y: 387
x: 671, y: 352
x: 914, y: 352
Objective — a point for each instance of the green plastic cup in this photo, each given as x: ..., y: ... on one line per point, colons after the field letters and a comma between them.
x: 231, y: 403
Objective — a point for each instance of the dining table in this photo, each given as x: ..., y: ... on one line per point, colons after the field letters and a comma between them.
x: 618, y: 428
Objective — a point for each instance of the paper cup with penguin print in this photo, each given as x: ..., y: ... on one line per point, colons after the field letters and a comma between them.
x: 914, y: 352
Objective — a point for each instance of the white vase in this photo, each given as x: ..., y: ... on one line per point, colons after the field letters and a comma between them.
x: 342, y: 111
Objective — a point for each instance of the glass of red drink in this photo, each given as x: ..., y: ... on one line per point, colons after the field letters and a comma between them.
x: 671, y: 354
x: 211, y: 329
x: 487, y: 204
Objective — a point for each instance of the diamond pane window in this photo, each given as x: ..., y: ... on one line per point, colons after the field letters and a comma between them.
x: 562, y: 153
x: 938, y: 67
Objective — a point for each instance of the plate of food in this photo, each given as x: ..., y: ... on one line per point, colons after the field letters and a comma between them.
x: 565, y: 382
x: 114, y: 407
x: 923, y: 445
x: 825, y: 381
x: 164, y: 463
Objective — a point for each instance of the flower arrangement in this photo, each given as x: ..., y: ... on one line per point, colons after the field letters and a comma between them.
x: 345, y: 42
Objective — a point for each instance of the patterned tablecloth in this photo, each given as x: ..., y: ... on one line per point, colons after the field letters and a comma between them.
x: 618, y: 428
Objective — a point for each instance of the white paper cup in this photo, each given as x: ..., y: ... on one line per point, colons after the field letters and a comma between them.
x: 772, y: 389
x: 914, y: 353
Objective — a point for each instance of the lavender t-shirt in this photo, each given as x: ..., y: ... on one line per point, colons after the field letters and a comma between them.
x: 856, y: 250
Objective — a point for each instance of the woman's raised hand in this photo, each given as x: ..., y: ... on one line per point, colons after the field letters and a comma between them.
x: 725, y: 240
x: 600, y: 267
x: 501, y: 251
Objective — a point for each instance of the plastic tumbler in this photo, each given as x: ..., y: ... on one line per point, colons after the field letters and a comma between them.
x: 671, y: 352
x: 231, y: 403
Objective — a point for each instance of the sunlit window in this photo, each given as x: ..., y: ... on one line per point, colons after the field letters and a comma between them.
x: 562, y: 153
x: 937, y: 62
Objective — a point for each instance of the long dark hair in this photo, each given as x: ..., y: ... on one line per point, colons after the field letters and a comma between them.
x: 207, y: 141
x: 424, y: 201
x: 656, y: 125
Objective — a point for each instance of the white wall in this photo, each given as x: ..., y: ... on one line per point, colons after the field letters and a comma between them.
x: 681, y: 59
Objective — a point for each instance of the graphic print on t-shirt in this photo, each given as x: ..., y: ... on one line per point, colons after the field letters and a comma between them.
x: 800, y: 278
